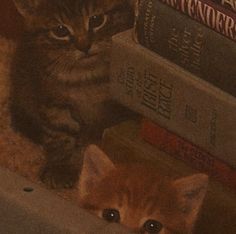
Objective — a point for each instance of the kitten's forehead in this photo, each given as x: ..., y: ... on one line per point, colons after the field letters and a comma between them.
x: 142, y: 189
x: 75, y: 7
x: 141, y: 195
x: 138, y: 197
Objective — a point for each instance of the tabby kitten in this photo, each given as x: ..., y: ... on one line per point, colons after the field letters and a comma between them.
x: 138, y: 197
x: 60, y: 96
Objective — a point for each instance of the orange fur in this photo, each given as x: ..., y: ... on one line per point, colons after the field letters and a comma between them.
x: 140, y: 193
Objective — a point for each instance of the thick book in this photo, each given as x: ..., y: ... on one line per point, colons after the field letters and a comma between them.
x: 189, y: 153
x: 123, y: 143
x: 188, y: 43
x: 174, y: 98
x: 206, y: 12
x: 228, y: 4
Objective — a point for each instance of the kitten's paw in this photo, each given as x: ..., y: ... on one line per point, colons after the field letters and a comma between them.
x: 59, y: 176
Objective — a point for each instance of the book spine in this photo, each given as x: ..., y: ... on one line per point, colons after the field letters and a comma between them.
x: 206, y: 12
x: 227, y: 4
x: 189, y: 153
x: 188, y: 43
x: 174, y: 98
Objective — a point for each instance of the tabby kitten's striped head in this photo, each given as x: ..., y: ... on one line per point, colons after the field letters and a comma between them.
x: 74, y: 36
x: 138, y: 197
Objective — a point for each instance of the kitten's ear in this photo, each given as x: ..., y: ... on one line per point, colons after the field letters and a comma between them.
x: 95, y: 167
x: 27, y: 8
x: 191, y: 191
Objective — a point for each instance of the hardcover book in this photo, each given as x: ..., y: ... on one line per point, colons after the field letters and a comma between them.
x: 189, y: 153
x: 206, y: 12
x: 174, y: 98
x: 188, y: 43
x: 228, y: 4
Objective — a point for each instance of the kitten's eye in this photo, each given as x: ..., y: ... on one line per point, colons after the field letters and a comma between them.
x: 111, y: 215
x: 152, y: 226
x: 97, y: 21
x: 61, y: 32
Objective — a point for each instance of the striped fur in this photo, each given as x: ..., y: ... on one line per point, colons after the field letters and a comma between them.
x: 59, y: 91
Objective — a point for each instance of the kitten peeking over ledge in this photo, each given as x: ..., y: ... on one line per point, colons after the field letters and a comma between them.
x: 138, y: 197
x: 59, y: 93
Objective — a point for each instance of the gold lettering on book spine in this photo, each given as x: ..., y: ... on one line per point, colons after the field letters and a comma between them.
x: 206, y: 14
x: 130, y: 80
x: 165, y: 99
x: 157, y: 94
x: 149, y: 23
x: 150, y: 87
x: 230, y: 3
x: 196, y: 49
x: 187, y: 46
x: 213, y: 127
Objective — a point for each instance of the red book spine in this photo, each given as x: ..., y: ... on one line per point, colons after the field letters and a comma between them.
x: 188, y: 152
x: 228, y: 4
x: 207, y: 12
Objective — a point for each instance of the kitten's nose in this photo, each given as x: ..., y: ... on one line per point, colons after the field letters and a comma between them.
x: 84, y: 48
x: 83, y: 44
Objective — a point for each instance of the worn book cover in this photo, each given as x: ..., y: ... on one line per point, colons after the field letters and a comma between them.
x: 174, y: 98
x: 188, y: 152
x: 188, y: 43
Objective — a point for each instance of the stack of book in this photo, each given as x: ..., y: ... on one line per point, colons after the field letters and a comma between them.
x: 180, y: 75
x: 177, y: 69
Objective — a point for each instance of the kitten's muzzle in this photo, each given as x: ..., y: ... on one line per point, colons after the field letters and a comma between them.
x: 83, y: 44
x: 88, y: 60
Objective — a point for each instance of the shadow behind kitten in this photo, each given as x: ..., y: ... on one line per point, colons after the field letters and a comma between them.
x: 138, y: 197
x: 59, y: 78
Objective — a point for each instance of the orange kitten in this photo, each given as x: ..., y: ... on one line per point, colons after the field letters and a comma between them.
x: 138, y: 197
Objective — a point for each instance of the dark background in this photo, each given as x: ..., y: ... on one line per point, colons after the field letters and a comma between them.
x: 11, y: 23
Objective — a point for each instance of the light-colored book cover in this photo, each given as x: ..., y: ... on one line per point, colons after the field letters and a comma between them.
x: 174, y: 98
